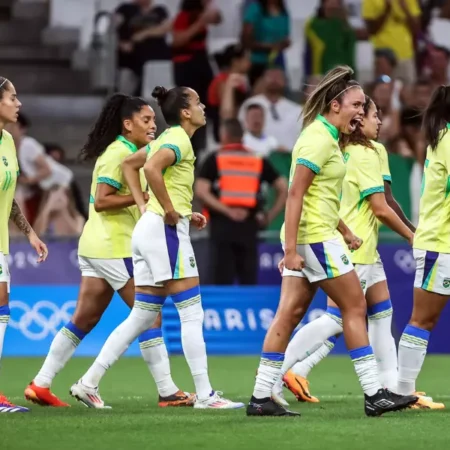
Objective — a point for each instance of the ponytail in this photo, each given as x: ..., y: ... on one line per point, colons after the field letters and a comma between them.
x: 437, y: 115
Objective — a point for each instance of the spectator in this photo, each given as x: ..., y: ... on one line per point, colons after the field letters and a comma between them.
x: 58, y: 216
x: 229, y: 186
x: 330, y: 40
x: 57, y: 153
x: 385, y: 64
x: 233, y: 60
x: 438, y: 61
x: 142, y: 30
x: 190, y: 57
x: 254, y: 137
x: 394, y: 24
x: 266, y: 33
x: 282, y: 116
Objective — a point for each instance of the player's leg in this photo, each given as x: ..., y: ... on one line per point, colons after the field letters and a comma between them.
x: 5, y: 405
x: 154, y: 352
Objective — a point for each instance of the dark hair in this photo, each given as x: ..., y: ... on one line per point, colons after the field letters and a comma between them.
x: 50, y: 146
x: 437, y: 115
x: 23, y: 121
x: 225, y: 58
x: 234, y: 129
x: 265, y: 6
x: 388, y: 54
x: 332, y: 87
x: 254, y: 106
x: 5, y: 85
x: 358, y: 137
x: 109, y: 124
x: 191, y: 5
x: 171, y: 102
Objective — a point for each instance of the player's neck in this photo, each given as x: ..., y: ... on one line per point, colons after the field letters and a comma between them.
x: 332, y: 119
x: 189, y: 128
x: 2, y: 126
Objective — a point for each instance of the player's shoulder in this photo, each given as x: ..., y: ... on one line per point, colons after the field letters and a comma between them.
x: 7, y: 138
x: 115, y: 152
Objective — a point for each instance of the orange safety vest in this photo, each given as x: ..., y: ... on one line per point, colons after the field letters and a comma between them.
x: 239, y: 176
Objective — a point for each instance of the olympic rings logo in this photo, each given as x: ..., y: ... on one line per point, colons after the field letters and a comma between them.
x: 40, y: 320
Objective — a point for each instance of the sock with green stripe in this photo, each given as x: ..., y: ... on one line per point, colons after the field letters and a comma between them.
x: 63, y: 347
x: 269, y: 371
x: 366, y: 369
x: 4, y: 319
x: 383, y: 343
x: 411, y: 355
x: 154, y: 352
x: 189, y: 306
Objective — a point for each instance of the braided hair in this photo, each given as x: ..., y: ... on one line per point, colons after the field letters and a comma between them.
x: 109, y: 124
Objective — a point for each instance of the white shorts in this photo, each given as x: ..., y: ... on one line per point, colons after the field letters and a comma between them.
x: 116, y: 272
x: 432, y: 271
x: 323, y: 260
x: 370, y: 274
x: 5, y: 276
x: 161, y: 252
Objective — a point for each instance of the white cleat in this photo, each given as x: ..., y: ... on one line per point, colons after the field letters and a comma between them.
x: 90, y: 397
x: 216, y: 401
x: 278, y: 394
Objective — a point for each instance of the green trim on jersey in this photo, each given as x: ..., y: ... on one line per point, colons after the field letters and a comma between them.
x: 176, y: 149
x: 110, y: 181
x: 310, y: 165
x: 133, y: 148
x: 331, y: 128
x: 387, y: 178
x: 364, y: 194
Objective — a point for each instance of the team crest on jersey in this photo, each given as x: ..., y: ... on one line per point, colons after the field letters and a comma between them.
x: 192, y: 261
x: 446, y: 283
x: 5, y: 161
x: 345, y: 259
x: 363, y: 284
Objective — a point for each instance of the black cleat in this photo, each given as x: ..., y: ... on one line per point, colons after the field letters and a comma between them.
x: 386, y: 401
x: 267, y: 407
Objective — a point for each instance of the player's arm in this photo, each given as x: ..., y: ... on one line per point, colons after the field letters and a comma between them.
x: 130, y: 168
x: 350, y: 239
x: 390, y: 200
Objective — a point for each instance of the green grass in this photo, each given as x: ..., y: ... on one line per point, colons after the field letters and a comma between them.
x: 135, y: 422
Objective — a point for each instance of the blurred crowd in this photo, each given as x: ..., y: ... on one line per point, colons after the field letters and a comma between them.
x: 248, y: 95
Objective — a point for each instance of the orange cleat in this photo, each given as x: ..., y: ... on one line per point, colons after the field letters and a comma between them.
x: 299, y: 386
x: 43, y: 396
x: 424, y: 402
x: 180, y: 398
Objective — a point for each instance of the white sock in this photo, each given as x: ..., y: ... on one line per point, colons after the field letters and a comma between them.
x: 154, y: 352
x: 303, y: 368
x: 411, y: 355
x: 142, y: 316
x: 63, y: 347
x: 366, y: 369
x: 312, y: 336
x: 383, y: 343
x: 269, y: 372
x: 4, y: 319
x: 191, y: 313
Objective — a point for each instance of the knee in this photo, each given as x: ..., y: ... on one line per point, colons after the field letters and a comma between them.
x: 86, y: 321
x: 290, y: 318
x: 355, y: 309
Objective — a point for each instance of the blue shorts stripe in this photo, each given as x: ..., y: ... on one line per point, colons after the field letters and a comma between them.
x: 173, y: 245
x: 430, y: 259
x: 148, y: 298
x: 186, y: 295
x: 319, y: 252
x: 129, y: 266
x: 150, y: 334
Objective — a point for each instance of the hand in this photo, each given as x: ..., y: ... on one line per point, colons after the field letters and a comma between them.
x: 238, y: 214
x: 39, y: 246
x: 411, y: 239
x: 293, y: 261
x: 171, y: 218
x: 281, y: 266
x: 198, y: 220
x: 236, y: 80
x: 282, y: 45
x: 353, y: 242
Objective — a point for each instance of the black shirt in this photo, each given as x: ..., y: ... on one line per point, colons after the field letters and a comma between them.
x: 154, y: 48
x: 222, y: 227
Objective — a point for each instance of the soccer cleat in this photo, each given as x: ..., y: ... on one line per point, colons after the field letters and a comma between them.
x: 216, y: 401
x: 180, y: 398
x: 299, y: 386
x: 426, y: 403
x: 268, y: 407
x: 424, y: 395
x: 43, y: 396
x: 386, y: 401
x: 7, y: 407
x: 278, y: 394
x: 90, y: 397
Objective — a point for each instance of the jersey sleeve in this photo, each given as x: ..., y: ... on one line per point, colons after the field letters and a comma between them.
x: 312, y: 154
x: 110, y: 169
x: 180, y: 144
x: 369, y: 173
x: 385, y: 170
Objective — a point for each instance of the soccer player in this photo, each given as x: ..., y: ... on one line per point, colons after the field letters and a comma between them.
x: 104, y: 252
x: 363, y: 206
x: 10, y: 210
x: 431, y: 243
x: 314, y: 255
x: 163, y: 257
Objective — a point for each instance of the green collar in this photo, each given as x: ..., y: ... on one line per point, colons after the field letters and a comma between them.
x: 129, y: 144
x: 331, y: 128
x: 1, y: 136
x: 448, y: 126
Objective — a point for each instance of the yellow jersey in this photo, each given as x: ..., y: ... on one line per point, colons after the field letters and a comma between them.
x: 318, y: 149
x: 178, y: 178
x: 385, y: 169
x: 395, y: 33
x: 364, y: 177
x: 433, y: 229
x: 107, y: 234
x: 9, y: 170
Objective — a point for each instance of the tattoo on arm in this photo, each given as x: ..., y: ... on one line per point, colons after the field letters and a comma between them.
x: 19, y: 219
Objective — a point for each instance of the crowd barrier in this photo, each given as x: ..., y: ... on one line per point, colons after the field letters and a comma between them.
x: 43, y: 298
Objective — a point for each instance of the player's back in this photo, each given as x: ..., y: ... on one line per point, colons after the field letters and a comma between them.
x: 107, y: 234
